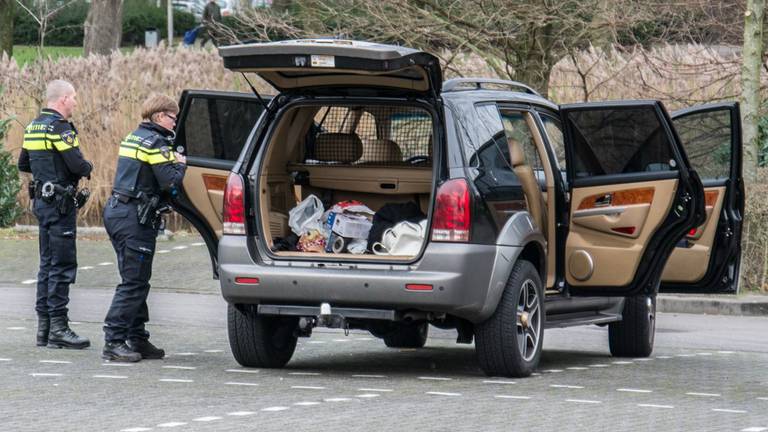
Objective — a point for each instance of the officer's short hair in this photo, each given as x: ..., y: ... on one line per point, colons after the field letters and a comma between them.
x: 57, y: 89
x: 158, y: 103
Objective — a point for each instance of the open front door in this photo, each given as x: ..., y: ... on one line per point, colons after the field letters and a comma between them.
x: 708, y: 258
x: 632, y: 196
x: 211, y: 131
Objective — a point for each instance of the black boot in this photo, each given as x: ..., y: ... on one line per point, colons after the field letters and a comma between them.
x: 61, y: 336
x: 146, y: 349
x: 43, y: 327
x: 119, y: 352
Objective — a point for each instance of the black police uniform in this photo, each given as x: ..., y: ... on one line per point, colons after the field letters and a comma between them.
x: 51, y: 153
x: 146, y: 168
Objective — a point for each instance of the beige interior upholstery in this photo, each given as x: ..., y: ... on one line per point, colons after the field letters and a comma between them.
x: 338, y: 147
x: 531, y: 188
x: 381, y: 150
x: 208, y: 201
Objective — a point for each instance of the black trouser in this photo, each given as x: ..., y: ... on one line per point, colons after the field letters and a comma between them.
x: 58, y: 258
x: 135, y: 246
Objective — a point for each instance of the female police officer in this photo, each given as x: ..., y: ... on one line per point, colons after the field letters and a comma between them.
x: 148, y: 173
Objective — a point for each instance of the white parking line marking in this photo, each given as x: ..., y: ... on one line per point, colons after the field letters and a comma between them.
x: 308, y: 387
x: 338, y: 399
x: 443, y: 393
x: 316, y: 342
x: 727, y: 352
x: 644, y: 359
x: 704, y: 354
x: 5, y: 359
x: 704, y: 394
x: 213, y: 351
x: 426, y: 378
x: 341, y: 340
x: 584, y: 401
x: 732, y: 411
x: 512, y: 397
x: 685, y: 355
x: 175, y: 380
x: 29, y: 281
x: 250, y: 371
x: 85, y: 268
x: 56, y: 361
x: 552, y: 371
x: 184, y: 354
x: 663, y: 357
x: 241, y: 413
x: 622, y: 362
x: 631, y: 390
x: 105, y: 263
x: 198, y: 244
x: 307, y: 403
x: 362, y: 339
x: 171, y: 424
x: 566, y: 386
x: 118, y: 364
x: 498, y: 382
x: 46, y: 374
x: 599, y: 365
x: 275, y: 408
x: 182, y: 247
x: 136, y: 429
x: 656, y: 406
x: 15, y: 328
x: 763, y: 398
x: 111, y: 376
x: 206, y: 419
x: 180, y: 367
x: 377, y: 390
x: 305, y: 373
x: 577, y: 368
x: 368, y: 376
x: 368, y: 395
x: 755, y: 429
x: 163, y: 251
x: 241, y: 383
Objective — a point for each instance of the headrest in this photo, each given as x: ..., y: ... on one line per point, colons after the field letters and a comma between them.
x: 516, y: 155
x: 382, y: 150
x: 338, y: 147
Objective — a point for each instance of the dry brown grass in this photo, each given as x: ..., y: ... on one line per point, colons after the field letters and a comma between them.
x: 111, y: 89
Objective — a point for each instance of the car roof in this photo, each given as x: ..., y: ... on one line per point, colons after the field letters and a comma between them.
x: 486, y: 95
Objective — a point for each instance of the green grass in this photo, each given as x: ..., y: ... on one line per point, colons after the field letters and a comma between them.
x: 25, y: 53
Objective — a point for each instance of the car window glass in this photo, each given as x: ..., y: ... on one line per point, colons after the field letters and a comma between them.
x: 414, y: 132
x: 554, y: 131
x: 516, y: 128
x: 619, y: 140
x: 706, y: 138
x: 217, y: 128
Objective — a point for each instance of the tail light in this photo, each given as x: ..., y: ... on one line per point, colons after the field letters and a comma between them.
x: 234, y: 206
x: 451, y: 219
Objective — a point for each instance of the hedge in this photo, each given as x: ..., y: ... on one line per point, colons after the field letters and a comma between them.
x: 138, y: 16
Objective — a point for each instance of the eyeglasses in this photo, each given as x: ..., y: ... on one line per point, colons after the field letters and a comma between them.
x: 170, y: 116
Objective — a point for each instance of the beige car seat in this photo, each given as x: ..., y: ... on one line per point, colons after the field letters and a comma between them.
x: 531, y: 189
x: 381, y: 151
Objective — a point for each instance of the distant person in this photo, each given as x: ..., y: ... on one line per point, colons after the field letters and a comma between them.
x: 211, y: 17
x: 148, y: 173
x: 51, y: 152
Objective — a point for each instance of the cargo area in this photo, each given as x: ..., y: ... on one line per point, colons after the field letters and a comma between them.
x: 348, y: 182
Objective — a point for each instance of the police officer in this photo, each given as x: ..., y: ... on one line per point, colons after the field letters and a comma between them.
x: 148, y: 173
x: 51, y: 153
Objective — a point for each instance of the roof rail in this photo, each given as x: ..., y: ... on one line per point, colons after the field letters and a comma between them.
x: 455, y: 84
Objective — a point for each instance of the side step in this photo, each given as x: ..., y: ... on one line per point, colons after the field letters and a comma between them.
x: 580, y: 318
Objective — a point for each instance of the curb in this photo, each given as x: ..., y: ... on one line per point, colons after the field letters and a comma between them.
x: 748, y: 305
x: 33, y: 230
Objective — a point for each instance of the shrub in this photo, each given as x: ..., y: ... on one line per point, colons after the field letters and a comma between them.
x: 9, y: 180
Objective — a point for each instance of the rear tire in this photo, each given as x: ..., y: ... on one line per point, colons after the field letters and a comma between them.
x: 633, y: 336
x: 509, y: 342
x: 408, y: 336
x: 260, y: 341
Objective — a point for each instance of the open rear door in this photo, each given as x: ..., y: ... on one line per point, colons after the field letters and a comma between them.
x: 708, y: 258
x: 632, y: 196
x: 211, y: 131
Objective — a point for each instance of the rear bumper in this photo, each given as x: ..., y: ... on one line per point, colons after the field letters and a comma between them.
x: 467, y: 280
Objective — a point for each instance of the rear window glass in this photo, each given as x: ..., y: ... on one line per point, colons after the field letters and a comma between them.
x: 370, y: 135
x: 706, y: 138
x: 608, y: 141
x: 217, y: 128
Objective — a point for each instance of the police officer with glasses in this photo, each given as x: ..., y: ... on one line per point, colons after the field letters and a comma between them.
x: 149, y: 173
x: 51, y: 152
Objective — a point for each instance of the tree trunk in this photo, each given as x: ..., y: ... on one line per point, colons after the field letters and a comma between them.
x: 6, y: 26
x: 103, y: 27
x: 750, y: 84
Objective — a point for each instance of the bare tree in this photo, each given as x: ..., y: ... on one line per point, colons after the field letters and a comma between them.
x: 6, y: 26
x: 750, y: 83
x: 103, y: 27
x: 43, y: 11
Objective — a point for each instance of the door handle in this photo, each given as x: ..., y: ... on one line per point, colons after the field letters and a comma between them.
x: 610, y: 211
x: 604, y: 201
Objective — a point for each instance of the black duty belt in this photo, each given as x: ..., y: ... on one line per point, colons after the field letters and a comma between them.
x: 123, y: 198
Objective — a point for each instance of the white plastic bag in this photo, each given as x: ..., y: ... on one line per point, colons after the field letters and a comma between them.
x: 306, y: 216
x: 405, y: 238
